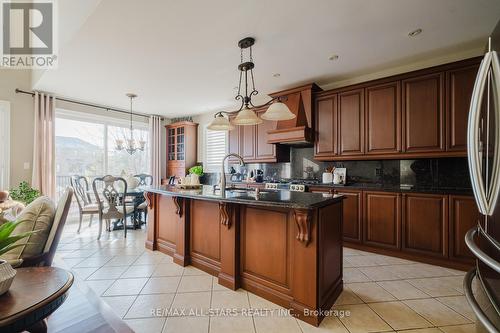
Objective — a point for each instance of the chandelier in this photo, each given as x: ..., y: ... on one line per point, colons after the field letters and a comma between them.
x: 246, y: 115
x: 131, y: 147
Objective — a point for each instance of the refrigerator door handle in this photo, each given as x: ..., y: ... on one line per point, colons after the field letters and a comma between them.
x: 494, y: 188
x: 478, y: 253
x: 486, y: 201
x: 476, y: 308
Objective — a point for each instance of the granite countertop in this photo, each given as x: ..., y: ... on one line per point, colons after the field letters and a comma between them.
x: 397, y: 188
x: 268, y: 198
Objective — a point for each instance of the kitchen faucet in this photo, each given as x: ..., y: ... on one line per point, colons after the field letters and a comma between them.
x: 223, y: 174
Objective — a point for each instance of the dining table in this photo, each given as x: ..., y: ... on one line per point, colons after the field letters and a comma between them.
x: 136, y: 196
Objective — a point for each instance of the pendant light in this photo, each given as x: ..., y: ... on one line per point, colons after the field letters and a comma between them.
x: 131, y: 146
x: 245, y: 115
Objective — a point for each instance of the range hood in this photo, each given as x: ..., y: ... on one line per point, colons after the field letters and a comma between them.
x: 299, y: 131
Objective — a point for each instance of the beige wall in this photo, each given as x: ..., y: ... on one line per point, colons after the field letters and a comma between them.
x: 21, y: 122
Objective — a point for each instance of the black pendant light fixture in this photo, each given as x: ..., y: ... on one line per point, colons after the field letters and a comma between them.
x: 246, y: 115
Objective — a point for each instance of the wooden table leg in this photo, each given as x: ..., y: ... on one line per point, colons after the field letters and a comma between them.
x: 40, y: 327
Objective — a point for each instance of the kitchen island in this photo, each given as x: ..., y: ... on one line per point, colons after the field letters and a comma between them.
x: 281, y: 245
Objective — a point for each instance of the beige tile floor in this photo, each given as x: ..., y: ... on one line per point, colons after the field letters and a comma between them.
x: 381, y: 294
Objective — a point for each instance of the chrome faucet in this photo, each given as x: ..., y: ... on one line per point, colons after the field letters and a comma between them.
x: 223, y: 173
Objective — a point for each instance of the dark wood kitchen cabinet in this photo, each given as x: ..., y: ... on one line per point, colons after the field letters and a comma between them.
x: 234, y: 142
x: 459, y: 86
x: 326, y: 124
x: 382, y: 219
x: 423, y: 113
x: 181, y: 147
x: 250, y: 142
x: 383, y: 118
x: 352, y: 215
x: 425, y: 224
x: 351, y: 122
x: 264, y: 152
x: 247, y: 143
x: 411, y: 115
x: 464, y: 215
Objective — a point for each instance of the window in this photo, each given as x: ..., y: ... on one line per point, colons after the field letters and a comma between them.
x: 5, y: 144
x: 215, y: 149
x: 85, y: 145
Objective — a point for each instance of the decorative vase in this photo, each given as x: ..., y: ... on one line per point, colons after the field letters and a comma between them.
x: 7, y: 275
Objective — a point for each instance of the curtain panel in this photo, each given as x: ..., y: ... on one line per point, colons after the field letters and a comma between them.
x: 44, y: 178
x: 155, y: 148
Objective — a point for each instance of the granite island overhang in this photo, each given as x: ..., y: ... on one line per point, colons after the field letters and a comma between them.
x: 281, y: 245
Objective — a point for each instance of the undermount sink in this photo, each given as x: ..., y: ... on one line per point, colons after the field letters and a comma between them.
x: 246, y: 190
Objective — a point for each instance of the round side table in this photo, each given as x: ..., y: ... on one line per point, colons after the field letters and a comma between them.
x: 35, y: 293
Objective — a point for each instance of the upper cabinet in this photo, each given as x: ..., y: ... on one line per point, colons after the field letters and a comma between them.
x: 412, y: 115
x: 234, y: 142
x: 383, y: 118
x: 459, y: 86
x: 326, y: 122
x: 250, y: 142
x: 423, y: 113
x: 351, y: 122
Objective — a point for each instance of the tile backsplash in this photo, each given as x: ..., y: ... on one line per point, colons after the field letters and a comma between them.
x: 428, y: 172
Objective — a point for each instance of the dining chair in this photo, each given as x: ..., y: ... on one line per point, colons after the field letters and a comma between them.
x: 80, y: 186
x: 110, y: 194
x: 144, y: 180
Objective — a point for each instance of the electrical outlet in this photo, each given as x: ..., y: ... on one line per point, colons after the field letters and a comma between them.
x: 26, y: 165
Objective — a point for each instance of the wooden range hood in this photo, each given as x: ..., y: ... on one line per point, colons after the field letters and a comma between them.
x: 300, y: 130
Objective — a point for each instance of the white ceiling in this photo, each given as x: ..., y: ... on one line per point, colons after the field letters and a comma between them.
x: 181, y: 57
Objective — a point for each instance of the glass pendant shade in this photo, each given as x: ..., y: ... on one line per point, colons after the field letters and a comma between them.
x: 278, y: 111
x: 220, y: 123
x: 247, y: 117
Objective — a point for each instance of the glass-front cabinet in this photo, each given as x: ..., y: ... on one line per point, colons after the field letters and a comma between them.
x: 181, y: 147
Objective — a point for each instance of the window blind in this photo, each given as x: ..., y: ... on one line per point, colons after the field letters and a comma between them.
x: 215, y: 149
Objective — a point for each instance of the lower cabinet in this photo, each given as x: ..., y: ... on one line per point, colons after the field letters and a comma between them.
x: 419, y: 225
x: 464, y: 215
x: 382, y: 219
x: 352, y: 215
x: 425, y: 224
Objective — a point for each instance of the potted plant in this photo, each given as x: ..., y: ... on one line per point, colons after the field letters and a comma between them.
x: 24, y: 193
x: 197, y: 170
x: 7, y: 243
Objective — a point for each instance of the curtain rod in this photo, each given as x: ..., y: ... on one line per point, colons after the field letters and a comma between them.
x: 97, y: 106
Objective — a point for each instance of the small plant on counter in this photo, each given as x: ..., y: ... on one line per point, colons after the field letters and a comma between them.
x: 24, y: 193
x: 196, y: 170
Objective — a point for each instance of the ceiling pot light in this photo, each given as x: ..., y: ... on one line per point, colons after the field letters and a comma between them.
x: 278, y: 111
x: 220, y: 123
x: 415, y: 32
x: 245, y: 115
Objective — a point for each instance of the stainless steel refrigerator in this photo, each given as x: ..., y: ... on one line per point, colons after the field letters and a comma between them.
x: 482, y: 283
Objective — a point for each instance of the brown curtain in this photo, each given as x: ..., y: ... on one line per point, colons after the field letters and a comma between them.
x: 44, y: 178
x: 155, y: 149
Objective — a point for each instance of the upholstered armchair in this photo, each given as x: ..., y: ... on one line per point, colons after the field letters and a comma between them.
x: 49, y: 221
